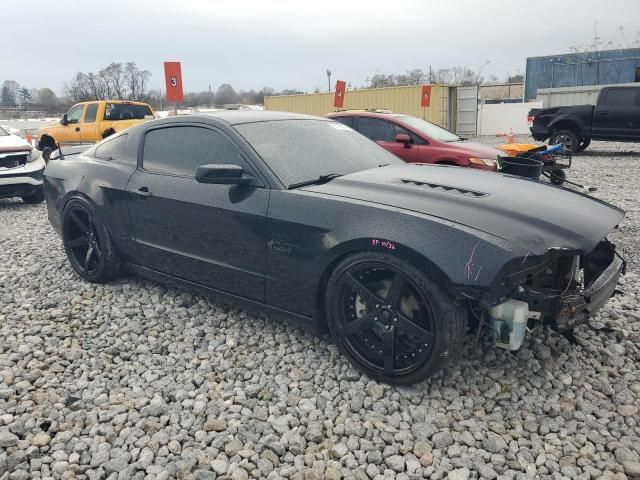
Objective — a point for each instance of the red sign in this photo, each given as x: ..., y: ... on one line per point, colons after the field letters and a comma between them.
x: 425, y: 99
x: 173, y: 79
x: 338, y: 99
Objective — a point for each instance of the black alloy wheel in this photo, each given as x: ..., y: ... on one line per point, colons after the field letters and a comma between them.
x: 87, y: 243
x: 386, y: 321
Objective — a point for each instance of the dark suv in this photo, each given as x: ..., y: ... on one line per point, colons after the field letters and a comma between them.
x: 417, y: 141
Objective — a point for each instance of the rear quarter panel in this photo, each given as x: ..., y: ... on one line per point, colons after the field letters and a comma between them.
x: 100, y: 182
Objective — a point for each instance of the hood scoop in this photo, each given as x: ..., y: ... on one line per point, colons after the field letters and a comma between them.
x: 443, y: 188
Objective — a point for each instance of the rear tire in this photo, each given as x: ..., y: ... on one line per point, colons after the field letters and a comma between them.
x: 391, y: 320
x: 37, y: 197
x: 566, y: 138
x: 108, y: 132
x: 583, y: 144
x: 88, y: 244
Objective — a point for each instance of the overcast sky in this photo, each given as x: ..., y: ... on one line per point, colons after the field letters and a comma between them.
x: 290, y: 44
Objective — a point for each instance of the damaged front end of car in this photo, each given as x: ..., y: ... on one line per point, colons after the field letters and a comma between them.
x: 561, y: 289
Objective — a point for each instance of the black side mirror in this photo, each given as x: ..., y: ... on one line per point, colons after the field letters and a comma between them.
x: 404, y: 139
x: 222, y: 174
x: 64, y: 120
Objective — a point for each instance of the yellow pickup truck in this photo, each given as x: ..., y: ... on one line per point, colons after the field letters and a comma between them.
x: 90, y: 122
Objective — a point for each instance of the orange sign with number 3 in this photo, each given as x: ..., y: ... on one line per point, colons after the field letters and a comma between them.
x: 173, y: 80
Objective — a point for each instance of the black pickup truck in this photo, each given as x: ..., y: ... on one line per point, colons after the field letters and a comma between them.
x: 616, y: 116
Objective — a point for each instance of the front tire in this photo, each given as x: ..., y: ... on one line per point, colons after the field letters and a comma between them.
x: 566, y: 138
x: 390, y: 319
x: 37, y: 197
x: 46, y: 153
x: 88, y: 244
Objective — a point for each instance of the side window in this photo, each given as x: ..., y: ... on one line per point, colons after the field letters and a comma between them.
x: 181, y: 150
x: 90, y: 113
x: 376, y: 129
x: 113, y: 149
x: 74, y: 115
x: 348, y: 121
x: 620, y: 97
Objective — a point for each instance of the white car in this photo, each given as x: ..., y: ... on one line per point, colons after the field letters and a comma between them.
x: 21, y: 169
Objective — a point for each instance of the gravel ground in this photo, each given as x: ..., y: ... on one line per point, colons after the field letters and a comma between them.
x: 135, y: 380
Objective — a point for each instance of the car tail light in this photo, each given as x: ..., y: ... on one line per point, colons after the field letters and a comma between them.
x: 530, y: 120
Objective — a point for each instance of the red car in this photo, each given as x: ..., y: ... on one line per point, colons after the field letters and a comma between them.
x: 417, y: 141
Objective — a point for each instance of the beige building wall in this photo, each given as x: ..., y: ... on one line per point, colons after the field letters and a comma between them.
x: 397, y: 99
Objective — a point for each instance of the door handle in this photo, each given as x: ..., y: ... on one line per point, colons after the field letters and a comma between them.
x: 603, y: 113
x: 77, y: 129
x: 142, y: 192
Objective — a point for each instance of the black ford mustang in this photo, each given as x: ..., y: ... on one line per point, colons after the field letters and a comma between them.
x: 309, y: 219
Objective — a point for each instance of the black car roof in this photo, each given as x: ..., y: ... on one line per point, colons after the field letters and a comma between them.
x: 236, y: 117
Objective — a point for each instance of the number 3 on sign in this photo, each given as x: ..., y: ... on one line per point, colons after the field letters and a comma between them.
x: 174, y: 82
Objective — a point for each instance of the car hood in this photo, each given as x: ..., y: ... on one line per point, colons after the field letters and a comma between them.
x: 532, y: 216
x: 13, y: 143
x: 475, y: 149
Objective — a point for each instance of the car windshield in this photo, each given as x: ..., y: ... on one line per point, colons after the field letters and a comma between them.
x: 298, y: 151
x: 3, y: 132
x: 126, y: 111
x: 429, y: 129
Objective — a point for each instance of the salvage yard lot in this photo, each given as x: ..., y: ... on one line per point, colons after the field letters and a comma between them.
x: 135, y: 380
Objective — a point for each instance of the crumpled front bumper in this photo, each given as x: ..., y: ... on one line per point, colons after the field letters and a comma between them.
x: 578, y: 309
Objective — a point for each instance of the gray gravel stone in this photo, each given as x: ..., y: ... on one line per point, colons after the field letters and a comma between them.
x: 41, y: 440
x: 442, y: 440
x: 632, y: 469
x: 220, y: 465
x: 8, y: 439
x: 494, y: 443
x: 204, y: 475
x: 395, y: 462
x: 459, y: 474
x: 339, y: 450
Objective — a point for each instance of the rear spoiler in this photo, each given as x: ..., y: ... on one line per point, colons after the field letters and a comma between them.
x: 65, y: 149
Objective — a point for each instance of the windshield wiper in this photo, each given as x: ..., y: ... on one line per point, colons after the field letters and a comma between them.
x: 316, y: 181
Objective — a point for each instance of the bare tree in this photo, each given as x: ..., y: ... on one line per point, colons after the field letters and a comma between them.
x: 114, y: 78
x: 115, y: 81
x: 136, y: 80
x: 447, y: 76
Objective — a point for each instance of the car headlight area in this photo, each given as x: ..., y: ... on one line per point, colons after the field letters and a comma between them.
x: 34, y: 155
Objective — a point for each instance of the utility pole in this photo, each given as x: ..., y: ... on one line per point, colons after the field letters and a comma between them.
x: 210, y: 98
x: 329, y: 79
